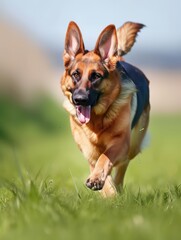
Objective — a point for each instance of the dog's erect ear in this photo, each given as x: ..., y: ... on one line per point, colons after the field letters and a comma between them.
x: 106, y: 45
x: 127, y: 36
x: 73, y: 43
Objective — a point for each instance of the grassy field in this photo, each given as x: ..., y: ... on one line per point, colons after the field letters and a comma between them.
x: 42, y: 175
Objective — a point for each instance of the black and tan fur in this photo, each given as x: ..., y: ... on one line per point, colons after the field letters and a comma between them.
x: 101, y: 106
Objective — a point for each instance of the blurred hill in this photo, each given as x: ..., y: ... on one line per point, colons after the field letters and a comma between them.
x: 25, y: 67
x: 28, y: 69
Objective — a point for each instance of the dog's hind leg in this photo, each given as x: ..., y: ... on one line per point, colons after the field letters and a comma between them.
x: 109, y: 189
x: 120, y: 171
x: 114, y: 185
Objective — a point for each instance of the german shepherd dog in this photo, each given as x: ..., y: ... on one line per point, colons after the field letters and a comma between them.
x: 108, y: 103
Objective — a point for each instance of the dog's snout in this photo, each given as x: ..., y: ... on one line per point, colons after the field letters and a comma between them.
x: 80, y: 100
x: 80, y: 97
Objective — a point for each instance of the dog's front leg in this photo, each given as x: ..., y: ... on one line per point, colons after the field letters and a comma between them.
x: 98, y: 175
x: 103, y: 167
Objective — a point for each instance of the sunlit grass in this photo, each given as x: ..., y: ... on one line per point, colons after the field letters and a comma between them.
x: 42, y: 192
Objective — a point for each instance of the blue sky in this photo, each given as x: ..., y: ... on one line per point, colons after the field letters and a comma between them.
x: 47, y: 20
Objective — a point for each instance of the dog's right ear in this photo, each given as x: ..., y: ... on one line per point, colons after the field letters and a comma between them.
x: 73, y: 43
x: 106, y: 47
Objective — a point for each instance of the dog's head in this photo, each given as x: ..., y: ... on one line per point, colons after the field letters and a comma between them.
x: 90, y: 80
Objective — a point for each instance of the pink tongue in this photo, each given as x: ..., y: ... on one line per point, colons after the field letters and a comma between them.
x: 83, y: 113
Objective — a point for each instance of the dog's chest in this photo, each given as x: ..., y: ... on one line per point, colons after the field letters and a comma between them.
x: 90, y: 143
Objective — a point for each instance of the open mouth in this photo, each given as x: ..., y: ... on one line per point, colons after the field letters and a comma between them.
x: 83, y: 102
x: 83, y: 113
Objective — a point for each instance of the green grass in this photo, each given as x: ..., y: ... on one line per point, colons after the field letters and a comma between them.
x: 42, y: 175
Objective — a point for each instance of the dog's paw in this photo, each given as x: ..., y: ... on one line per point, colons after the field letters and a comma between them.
x: 95, y: 183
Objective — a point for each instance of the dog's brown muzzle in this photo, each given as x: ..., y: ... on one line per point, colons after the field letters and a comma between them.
x: 84, y: 100
x: 81, y: 97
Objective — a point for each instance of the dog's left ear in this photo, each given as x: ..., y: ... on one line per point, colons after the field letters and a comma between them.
x: 106, y: 45
x: 73, y: 43
x: 127, y: 36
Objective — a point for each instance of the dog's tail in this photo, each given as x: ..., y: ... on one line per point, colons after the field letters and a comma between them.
x: 127, y: 36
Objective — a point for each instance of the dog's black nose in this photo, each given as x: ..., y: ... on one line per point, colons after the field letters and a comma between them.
x: 80, y: 97
x: 80, y: 100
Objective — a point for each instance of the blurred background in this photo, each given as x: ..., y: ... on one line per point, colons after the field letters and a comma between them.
x: 32, y: 122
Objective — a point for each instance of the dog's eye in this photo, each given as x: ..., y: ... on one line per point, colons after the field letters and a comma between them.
x: 76, y: 76
x: 94, y: 77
